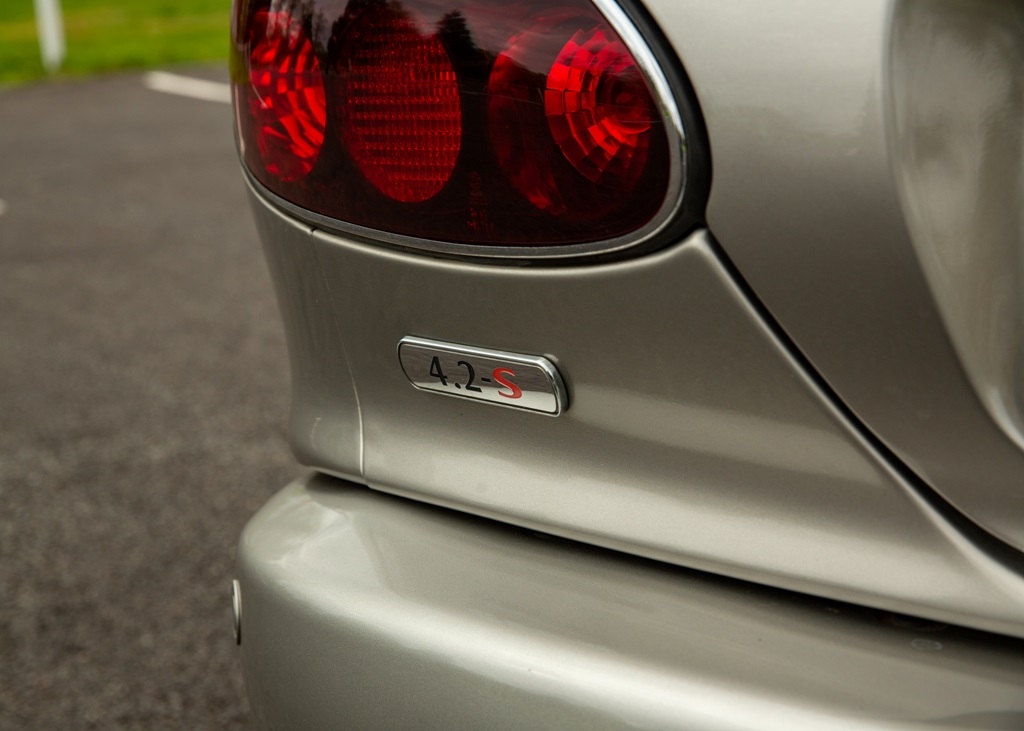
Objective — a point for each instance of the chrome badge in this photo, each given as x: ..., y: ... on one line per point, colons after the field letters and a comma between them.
x: 519, y: 381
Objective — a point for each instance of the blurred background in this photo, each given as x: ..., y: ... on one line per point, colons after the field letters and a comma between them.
x: 109, y: 35
x: 143, y: 379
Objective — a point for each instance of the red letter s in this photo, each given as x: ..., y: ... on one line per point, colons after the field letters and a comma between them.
x: 500, y: 375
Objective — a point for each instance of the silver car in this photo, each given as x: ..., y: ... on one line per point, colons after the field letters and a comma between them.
x: 659, y: 366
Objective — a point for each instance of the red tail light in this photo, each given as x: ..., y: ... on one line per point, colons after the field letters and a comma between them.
x: 599, y: 109
x: 476, y: 122
x: 286, y: 100
x: 399, y: 113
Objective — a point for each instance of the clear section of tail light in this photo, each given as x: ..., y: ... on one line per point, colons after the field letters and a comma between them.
x: 438, y: 123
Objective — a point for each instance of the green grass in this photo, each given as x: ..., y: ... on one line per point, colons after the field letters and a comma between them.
x: 106, y: 35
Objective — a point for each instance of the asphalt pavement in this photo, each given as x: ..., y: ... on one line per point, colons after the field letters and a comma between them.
x: 143, y: 403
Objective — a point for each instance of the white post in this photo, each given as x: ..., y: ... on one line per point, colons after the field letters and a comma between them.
x: 50, y: 23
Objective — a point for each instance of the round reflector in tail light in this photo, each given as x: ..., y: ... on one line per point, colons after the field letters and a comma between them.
x: 286, y: 99
x: 399, y: 112
x: 580, y: 154
x: 467, y: 126
x: 599, y: 108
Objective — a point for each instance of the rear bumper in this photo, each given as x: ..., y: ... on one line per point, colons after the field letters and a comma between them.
x: 363, y: 610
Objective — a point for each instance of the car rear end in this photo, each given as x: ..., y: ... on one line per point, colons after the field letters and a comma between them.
x: 660, y: 365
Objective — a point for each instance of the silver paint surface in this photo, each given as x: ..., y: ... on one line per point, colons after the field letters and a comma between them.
x: 957, y: 136
x: 809, y: 201
x: 540, y: 387
x: 693, y: 437
x: 368, y: 611
x: 325, y: 417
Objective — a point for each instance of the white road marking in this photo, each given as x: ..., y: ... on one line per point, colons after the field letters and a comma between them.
x: 211, y: 91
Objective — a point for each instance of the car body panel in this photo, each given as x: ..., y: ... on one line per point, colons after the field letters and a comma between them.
x: 692, y: 435
x: 807, y: 386
x: 369, y: 611
x: 805, y: 200
x: 324, y: 407
x: 958, y: 157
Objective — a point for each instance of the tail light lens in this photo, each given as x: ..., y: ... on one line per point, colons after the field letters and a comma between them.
x: 598, y: 114
x: 287, y: 108
x: 479, y: 122
x: 398, y: 113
